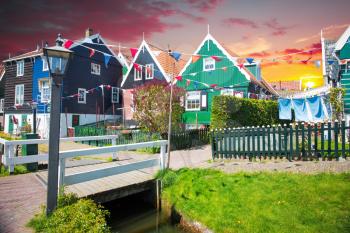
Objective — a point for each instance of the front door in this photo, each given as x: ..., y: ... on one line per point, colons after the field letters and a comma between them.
x: 75, y: 120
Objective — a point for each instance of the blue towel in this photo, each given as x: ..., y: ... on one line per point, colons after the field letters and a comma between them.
x: 316, y: 108
x: 300, y: 110
x: 285, y: 109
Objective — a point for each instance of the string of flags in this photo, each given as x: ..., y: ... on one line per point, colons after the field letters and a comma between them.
x: 92, y: 90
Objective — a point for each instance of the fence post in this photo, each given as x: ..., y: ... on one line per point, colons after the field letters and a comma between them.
x: 291, y: 142
x: 263, y: 134
x: 114, y: 143
x: 269, y: 141
x: 10, y: 154
x: 162, y: 157
x: 285, y: 139
x: 336, y: 133
x: 61, y: 173
x: 316, y: 141
x: 322, y: 140
x: 343, y: 139
x: 303, y: 140
x: 297, y: 151
x: 329, y: 139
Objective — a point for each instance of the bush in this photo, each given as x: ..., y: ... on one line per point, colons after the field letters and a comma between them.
x: 72, y: 215
x: 229, y: 111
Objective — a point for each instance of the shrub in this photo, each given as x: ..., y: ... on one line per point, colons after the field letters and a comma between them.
x: 72, y: 215
x: 229, y: 111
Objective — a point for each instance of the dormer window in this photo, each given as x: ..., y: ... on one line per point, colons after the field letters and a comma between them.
x: 138, y: 74
x: 95, y: 69
x: 20, y: 68
x: 149, y: 72
x: 208, y: 64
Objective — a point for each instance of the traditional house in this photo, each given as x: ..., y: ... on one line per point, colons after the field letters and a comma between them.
x: 149, y: 63
x: 342, y: 54
x: 90, y: 90
x: 2, y: 95
x: 213, y: 70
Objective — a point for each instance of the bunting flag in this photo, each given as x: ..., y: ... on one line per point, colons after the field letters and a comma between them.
x: 216, y: 58
x: 108, y: 87
x: 137, y: 67
x: 188, y: 82
x: 195, y: 58
x: 193, y: 74
x: 68, y: 44
x: 250, y: 60
x: 224, y: 68
x: 343, y: 62
x: 213, y: 85
x: 107, y: 58
x: 133, y: 51
x: 92, y: 52
x: 179, y: 78
x: 306, y: 61
x: 330, y: 62
x: 240, y: 65
x: 175, y: 55
x: 195, y: 83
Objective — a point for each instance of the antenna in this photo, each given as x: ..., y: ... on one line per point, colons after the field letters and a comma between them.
x: 208, y: 38
x: 208, y: 29
x: 119, y: 47
x: 143, y: 39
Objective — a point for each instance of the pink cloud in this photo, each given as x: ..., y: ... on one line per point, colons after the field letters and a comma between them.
x: 204, y: 5
x: 240, y: 22
x: 277, y: 28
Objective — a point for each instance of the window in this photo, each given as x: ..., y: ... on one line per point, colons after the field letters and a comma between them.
x: 45, y: 90
x: 20, y: 68
x: 19, y: 94
x: 1, y: 105
x: 115, y: 95
x: 138, y: 74
x: 149, y: 71
x: 81, y: 96
x: 45, y: 65
x: 95, y: 68
x: 227, y: 92
x: 208, y: 64
x: 193, y: 100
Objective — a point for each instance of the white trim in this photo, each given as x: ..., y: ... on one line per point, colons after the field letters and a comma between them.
x: 21, y: 99
x: 82, y: 101
x: 342, y: 40
x: 194, y: 93
x: 22, y: 58
x: 144, y: 44
x: 45, y: 63
x: 208, y: 60
x: 19, y: 74
x: 2, y: 73
x: 149, y: 76
x: 207, y: 38
x: 138, y: 74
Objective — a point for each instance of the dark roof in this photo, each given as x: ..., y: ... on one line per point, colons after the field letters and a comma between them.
x: 34, y: 53
x: 262, y: 83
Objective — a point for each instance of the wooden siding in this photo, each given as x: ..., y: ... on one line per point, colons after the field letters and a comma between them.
x: 11, y: 80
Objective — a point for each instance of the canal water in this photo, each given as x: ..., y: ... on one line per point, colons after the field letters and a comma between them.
x: 134, y: 215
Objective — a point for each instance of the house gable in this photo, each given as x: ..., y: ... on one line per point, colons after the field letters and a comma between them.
x: 343, y: 44
x: 143, y: 57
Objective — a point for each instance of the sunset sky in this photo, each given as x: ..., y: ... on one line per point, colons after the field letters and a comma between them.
x: 260, y: 28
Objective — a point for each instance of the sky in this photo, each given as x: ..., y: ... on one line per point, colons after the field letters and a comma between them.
x: 251, y: 28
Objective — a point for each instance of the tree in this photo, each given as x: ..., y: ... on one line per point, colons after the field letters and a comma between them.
x: 336, y: 99
x: 151, y: 103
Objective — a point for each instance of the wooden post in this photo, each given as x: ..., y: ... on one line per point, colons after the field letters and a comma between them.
x: 297, y: 150
x: 114, y: 143
x: 162, y: 157
x: 290, y: 142
x: 303, y: 141
x: 329, y: 138
x: 322, y: 140
x: 336, y: 133
x: 309, y: 154
x: 343, y: 126
x: 316, y: 140
x: 10, y: 154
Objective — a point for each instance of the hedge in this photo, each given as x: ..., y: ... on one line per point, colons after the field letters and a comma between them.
x: 229, y: 111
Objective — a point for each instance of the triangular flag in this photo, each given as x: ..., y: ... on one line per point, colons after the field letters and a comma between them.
x: 137, y: 67
x: 240, y: 65
x: 107, y: 58
x: 179, y: 78
x: 216, y: 58
x: 175, y: 55
x: 250, y: 60
x: 195, y: 58
x: 224, y: 68
x: 92, y: 52
x: 188, y: 82
x: 133, y: 51
x: 193, y: 74
x: 330, y: 62
x: 213, y: 85
x: 68, y: 44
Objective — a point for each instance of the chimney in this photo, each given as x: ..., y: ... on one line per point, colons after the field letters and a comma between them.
x: 88, y: 32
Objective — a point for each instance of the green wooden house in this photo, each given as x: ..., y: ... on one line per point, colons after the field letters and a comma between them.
x: 213, y: 70
x: 342, y: 52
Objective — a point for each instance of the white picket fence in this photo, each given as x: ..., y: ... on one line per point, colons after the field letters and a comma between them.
x: 9, y: 160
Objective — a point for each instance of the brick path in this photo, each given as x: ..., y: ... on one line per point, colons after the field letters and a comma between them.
x: 20, y: 198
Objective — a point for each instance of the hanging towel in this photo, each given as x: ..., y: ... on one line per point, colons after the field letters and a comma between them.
x: 316, y: 108
x: 285, y: 109
x: 300, y: 110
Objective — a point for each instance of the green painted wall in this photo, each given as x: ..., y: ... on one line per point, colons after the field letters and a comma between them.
x: 231, y: 77
x: 345, y: 51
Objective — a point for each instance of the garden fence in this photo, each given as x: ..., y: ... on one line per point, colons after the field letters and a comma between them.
x: 295, y: 141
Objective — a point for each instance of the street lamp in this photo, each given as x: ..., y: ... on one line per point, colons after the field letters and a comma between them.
x: 57, y: 59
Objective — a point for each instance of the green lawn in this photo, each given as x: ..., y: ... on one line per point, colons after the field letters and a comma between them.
x: 261, y: 202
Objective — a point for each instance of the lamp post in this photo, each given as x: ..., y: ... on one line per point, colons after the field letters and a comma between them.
x: 57, y: 59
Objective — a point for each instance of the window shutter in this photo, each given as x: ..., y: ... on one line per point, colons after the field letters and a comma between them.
x: 204, y: 101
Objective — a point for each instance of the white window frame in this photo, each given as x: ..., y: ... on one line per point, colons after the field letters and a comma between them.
x: 149, y: 75
x: 193, y: 99
x: 84, y: 96
x: 205, y: 63
x: 45, y: 97
x: 20, y: 68
x: 19, y: 94
x: 115, y: 90
x: 1, y: 105
x: 45, y: 64
x: 95, y: 68
x: 138, y: 74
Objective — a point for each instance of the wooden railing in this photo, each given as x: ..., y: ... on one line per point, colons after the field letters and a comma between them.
x: 295, y: 141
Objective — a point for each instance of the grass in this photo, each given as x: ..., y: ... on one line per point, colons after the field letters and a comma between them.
x: 19, y: 169
x: 260, y: 202
x: 72, y: 215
